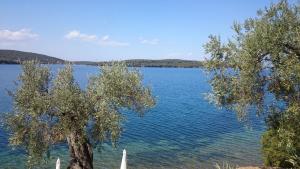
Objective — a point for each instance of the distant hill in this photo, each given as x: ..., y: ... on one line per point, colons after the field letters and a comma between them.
x: 163, y: 63
x: 151, y: 63
x: 15, y: 57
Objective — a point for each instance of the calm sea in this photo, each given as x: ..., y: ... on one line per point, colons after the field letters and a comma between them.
x: 182, y: 131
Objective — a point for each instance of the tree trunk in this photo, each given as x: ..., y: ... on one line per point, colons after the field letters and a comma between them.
x: 81, y: 152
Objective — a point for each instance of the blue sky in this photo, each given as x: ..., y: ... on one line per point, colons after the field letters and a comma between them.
x: 118, y: 30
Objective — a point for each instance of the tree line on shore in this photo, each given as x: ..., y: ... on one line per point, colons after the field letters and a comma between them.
x: 17, y: 57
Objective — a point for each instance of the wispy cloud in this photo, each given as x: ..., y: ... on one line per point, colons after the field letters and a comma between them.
x: 77, y: 35
x: 154, y: 41
x: 106, y: 41
x: 9, y: 36
x: 102, y: 41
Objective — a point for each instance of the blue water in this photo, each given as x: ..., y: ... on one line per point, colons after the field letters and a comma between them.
x: 182, y: 131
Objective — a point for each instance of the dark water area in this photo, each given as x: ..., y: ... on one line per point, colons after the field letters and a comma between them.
x: 182, y: 131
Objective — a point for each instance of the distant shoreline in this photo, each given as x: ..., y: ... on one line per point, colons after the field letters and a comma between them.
x: 17, y: 57
x: 14, y: 63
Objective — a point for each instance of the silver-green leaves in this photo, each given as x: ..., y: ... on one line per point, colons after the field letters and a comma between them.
x: 259, y: 71
x: 47, y: 111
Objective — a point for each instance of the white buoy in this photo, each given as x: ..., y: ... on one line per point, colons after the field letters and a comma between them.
x: 57, y: 163
x: 124, y: 160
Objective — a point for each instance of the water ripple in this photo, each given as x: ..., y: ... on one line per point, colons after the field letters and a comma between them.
x: 182, y: 131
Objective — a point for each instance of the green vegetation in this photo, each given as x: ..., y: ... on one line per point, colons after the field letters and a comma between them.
x: 17, y: 57
x: 49, y: 111
x: 260, y: 63
x: 153, y: 63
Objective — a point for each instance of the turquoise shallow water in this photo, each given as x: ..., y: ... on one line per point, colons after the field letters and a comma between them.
x: 182, y: 131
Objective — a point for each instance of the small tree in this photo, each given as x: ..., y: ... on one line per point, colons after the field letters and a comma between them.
x: 259, y: 71
x: 49, y: 111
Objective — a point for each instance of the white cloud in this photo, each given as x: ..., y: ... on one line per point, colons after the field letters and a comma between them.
x: 154, y: 41
x: 103, y: 41
x: 106, y: 41
x: 106, y: 37
x: 16, y: 36
x: 77, y: 35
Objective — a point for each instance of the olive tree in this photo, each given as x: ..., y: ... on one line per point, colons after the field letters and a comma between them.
x: 50, y: 110
x: 258, y: 71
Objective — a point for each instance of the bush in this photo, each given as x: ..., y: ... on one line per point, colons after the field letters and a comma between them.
x: 274, y: 154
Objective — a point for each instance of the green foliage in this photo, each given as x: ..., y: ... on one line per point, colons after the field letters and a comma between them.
x: 48, y: 111
x: 17, y: 57
x: 29, y: 121
x: 150, y: 63
x: 116, y: 87
x: 263, y: 58
x: 70, y: 106
x: 274, y: 154
x: 280, y: 143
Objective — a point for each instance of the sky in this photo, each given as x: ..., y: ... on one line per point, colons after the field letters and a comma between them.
x: 105, y: 30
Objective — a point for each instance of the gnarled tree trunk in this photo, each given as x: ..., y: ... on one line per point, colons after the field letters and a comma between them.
x: 81, y: 152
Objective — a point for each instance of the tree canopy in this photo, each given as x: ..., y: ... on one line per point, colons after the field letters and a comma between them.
x: 258, y: 70
x: 51, y: 110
